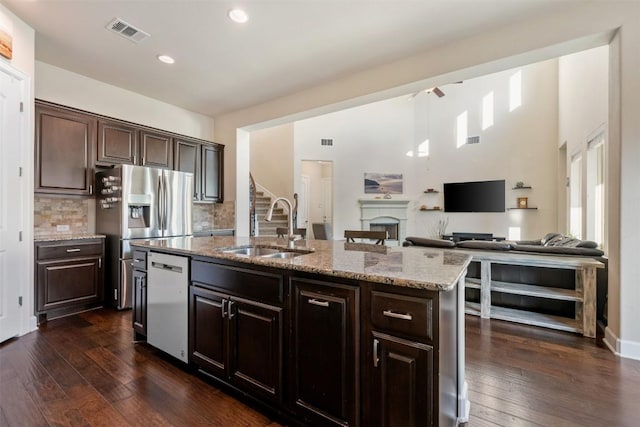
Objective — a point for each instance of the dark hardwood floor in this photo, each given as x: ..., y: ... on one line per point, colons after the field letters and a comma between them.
x: 83, y: 370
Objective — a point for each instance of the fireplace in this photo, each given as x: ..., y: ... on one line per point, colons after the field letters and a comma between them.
x: 385, y: 215
x: 390, y: 228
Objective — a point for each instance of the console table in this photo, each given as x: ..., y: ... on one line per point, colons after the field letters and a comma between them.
x: 457, y: 237
x: 583, y: 293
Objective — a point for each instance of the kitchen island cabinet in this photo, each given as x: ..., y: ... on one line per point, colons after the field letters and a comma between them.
x: 339, y: 334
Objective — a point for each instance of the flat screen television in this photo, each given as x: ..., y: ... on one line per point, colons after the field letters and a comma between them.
x: 478, y: 196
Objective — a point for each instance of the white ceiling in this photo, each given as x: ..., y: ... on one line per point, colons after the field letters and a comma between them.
x: 286, y: 46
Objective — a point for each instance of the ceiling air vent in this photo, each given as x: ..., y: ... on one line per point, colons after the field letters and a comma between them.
x: 126, y: 30
x: 326, y: 142
x: 473, y: 140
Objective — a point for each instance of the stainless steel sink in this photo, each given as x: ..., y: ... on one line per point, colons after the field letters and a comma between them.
x: 265, y: 252
x: 284, y: 255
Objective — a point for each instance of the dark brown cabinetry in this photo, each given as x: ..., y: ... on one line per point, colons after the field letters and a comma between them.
x: 187, y: 159
x: 117, y: 143
x: 70, y: 144
x: 325, y: 343
x: 401, y: 384
x: 139, y: 303
x: 65, y: 142
x: 402, y: 393
x: 212, y: 173
x: 204, y: 161
x: 234, y: 338
x: 69, y: 276
x: 156, y: 149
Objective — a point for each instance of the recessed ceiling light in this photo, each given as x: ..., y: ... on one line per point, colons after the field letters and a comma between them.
x: 238, y: 15
x: 166, y: 59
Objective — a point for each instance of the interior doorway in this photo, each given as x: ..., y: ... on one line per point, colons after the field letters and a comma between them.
x: 316, y: 192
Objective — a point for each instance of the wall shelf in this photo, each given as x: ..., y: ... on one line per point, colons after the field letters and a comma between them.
x: 430, y: 209
x: 522, y: 209
x: 526, y: 187
x: 431, y: 191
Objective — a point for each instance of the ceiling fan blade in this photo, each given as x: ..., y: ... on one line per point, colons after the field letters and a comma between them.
x: 438, y: 92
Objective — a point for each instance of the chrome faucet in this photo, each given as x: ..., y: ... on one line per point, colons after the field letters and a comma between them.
x: 290, y: 236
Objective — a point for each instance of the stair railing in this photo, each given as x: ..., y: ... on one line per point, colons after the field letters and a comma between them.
x: 253, y: 220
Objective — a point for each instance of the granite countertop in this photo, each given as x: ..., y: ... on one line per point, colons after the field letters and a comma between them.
x: 55, y: 237
x: 415, y: 267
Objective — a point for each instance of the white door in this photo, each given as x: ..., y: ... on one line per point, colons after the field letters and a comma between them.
x: 10, y: 205
x: 303, y: 202
x: 327, y: 200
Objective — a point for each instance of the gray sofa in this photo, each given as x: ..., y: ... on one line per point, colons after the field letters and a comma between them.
x: 551, y: 244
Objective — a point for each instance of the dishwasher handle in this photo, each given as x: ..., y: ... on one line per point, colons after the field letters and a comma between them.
x: 163, y: 266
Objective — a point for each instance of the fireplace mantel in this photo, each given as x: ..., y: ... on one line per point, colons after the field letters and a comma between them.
x: 376, y: 211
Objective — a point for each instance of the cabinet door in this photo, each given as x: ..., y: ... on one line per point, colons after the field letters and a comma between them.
x: 117, y: 143
x: 156, y: 149
x: 139, y: 312
x: 65, y: 283
x: 325, y: 353
x: 212, y: 173
x: 65, y: 142
x: 402, y: 382
x: 208, y: 330
x: 256, y: 347
x: 187, y: 159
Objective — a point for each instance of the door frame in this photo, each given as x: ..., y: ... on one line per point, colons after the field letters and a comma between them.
x: 24, y: 248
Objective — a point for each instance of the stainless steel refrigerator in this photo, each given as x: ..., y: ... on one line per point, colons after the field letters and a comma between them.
x: 137, y: 202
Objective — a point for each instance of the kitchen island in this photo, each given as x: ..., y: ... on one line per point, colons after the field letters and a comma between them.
x: 325, y: 332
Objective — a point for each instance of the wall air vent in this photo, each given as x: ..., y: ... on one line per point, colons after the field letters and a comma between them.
x: 126, y: 30
x: 326, y: 142
x: 473, y: 140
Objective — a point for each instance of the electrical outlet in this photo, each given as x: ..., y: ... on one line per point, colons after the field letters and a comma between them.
x: 62, y: 228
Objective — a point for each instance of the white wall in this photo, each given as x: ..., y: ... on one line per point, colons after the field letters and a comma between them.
x: 520, y: 146
x: 74, y: 90
x: 275, y: 144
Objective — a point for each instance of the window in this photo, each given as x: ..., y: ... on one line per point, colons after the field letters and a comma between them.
x: 596, y: 189
x: 487, y: 111
x: 461, y: 129
x: 515, y: 90
x: 575, y: 197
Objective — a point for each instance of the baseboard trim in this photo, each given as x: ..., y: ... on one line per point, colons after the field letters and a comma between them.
x: 622, y: 348
x: 464, y: 405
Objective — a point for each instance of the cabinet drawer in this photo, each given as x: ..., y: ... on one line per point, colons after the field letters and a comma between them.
x: 252, y: 284
x: 68, y: 249
x: 139, y: 259
x: 402, y: 314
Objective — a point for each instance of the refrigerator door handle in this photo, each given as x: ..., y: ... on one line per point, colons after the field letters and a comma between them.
x: 159, y: 203
x: 165, y: 214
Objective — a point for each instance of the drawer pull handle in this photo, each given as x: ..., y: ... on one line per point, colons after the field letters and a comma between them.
x: 376, y: 359
x: 73, y: 250
x: 318, y: 302
x: 138, y: 260
x: 390, y: 313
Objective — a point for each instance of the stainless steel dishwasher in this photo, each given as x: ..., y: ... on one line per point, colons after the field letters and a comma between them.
x: 167, y: 304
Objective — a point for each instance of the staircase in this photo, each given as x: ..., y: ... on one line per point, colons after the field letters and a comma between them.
x: 279, y: 218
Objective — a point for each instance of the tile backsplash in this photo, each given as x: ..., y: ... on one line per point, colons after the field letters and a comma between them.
x: 51, y: 212
x: 79, y: 215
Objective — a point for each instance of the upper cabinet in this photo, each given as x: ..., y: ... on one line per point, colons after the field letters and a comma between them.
x: 204, y: 161
x: 117, y: 143
x: 71, y: 143
x: 212, y: 172
x: 65, y: 142
x: 156, y: 149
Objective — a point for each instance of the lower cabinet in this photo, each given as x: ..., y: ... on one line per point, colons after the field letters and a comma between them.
x: 237, y: 340
x: 139, y: 305
x: 326, y: 368
x: 69, y: 277
x: 402, y: 392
